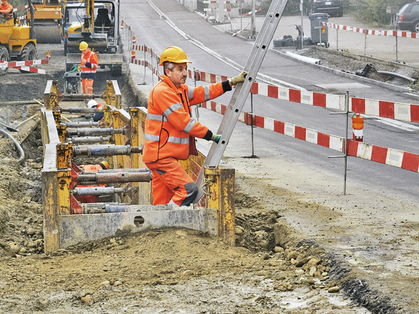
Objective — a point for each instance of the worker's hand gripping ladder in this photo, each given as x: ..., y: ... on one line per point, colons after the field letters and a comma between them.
x: 238, y: 99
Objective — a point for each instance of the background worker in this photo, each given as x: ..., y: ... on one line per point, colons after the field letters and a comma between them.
x: 6, y: 8
x: 89, y: 64
x: 170, y: 130
x: 103, y: 165
x: 98, y: 115
x: 88, y: 168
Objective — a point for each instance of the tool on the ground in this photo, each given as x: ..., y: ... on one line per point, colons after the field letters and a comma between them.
x: 241, y: 92
x: 23, y: 122
x: 8, y: 128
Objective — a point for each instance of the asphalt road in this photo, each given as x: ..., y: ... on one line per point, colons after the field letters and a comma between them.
x: 154, y: 31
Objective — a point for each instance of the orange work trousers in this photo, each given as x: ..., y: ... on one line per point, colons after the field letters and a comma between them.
x: 87, y: 85
x: 171, y: 182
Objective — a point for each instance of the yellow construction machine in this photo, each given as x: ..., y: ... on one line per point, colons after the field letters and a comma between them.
x: 97, y: 23
x: 17, y: 41
x: 47, y: 20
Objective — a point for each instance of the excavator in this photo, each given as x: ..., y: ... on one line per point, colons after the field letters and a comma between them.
x: 47, y: 20
x: 97, y: 23
x: 17, y: 41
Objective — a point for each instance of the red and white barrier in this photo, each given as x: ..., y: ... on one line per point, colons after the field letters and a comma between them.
x: 25, y: 65
x: 146, y: 64
x: 146, y: 49
x: 388, y: 156
x: 371, y: 31
x: 377, y: 108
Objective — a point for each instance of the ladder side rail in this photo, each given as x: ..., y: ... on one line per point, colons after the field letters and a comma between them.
x: 260, y: 40
x: 241, y: 92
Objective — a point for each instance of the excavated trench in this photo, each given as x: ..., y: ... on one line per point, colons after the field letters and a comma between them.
x: 278, y: 269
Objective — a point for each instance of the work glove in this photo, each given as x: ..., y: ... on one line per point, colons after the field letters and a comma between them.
x: 238, y: 79
x: 215, y: 138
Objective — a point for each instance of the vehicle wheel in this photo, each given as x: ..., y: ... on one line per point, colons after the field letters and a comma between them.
x: 28, y: 52
x: 416, y: 27
x: 4, y: 56
x: 327, y: 45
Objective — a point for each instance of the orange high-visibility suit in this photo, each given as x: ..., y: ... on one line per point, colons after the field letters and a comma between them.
x: 6, y: 9
x: 89, y: 64
x: 170, y: 133
x: 89, y: 168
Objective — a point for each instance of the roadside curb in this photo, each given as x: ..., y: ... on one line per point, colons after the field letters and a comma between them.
x: 348, y: 75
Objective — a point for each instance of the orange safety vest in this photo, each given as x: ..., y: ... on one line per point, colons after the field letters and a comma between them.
x: 8, y: 8
x: 88, y: 70
x: 170, y: 130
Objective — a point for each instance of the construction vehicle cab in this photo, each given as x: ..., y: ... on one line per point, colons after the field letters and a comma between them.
x: 47, y: 20
x: 17, y: 41
x: 97, y: 23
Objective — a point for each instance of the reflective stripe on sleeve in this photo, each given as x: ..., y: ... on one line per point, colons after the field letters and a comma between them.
x: 207, y: 93
x: 171, y: 109
x: 189, y: 126
x: 191, y: 91
x: 156, y: 117
x: 171, y: 139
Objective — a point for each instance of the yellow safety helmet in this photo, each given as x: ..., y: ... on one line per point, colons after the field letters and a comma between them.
x: 173, y: 54
x: 83, y: 45
x: 104, y: 164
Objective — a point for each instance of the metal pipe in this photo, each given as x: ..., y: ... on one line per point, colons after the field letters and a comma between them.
x: 346, y: 141
x: 94, y: 131
x: 81, y: 124
x: 15, y: 103
x: 100, y: 208
x: 98, y: 190
x: 80, y: 96
x: 106, y: 150
x: 21, y: 152
x: 80, y: 110
x: 118, y: 177
x: 90, y: 139
x: 124, y: 170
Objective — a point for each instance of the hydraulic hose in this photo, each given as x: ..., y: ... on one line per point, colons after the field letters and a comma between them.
x: 21, y: 152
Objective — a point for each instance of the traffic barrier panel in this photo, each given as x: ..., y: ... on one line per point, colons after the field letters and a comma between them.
x: 371, y: 31
x: 388, y: 156
x: 372, y: 107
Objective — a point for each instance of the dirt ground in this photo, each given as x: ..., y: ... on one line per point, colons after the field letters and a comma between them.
x: 273, y: 268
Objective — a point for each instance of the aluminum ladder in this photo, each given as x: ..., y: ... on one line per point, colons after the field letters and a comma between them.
x: 242, y: 90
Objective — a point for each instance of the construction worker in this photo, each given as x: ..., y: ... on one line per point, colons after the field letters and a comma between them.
x: 6, y: 9
x: 170, y: 130
x: 96, y: 167
x: 94, y: 104
x: 89, y: 64
x: 89, y: 168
